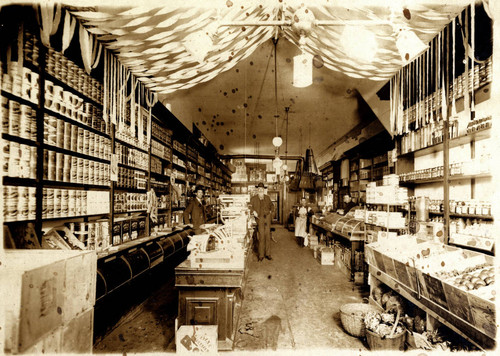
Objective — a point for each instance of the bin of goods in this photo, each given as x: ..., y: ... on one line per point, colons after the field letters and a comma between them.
x: 458, y: 280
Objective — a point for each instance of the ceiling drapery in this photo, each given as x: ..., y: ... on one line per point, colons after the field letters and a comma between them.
x: 149, y: 39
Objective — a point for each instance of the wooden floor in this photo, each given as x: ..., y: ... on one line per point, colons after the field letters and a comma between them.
x: 293, y: 290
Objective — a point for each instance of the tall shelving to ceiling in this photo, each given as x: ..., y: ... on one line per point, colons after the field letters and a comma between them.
x: 61, y: 152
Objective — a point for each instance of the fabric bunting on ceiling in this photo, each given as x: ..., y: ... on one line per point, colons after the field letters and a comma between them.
x: 151, y: 40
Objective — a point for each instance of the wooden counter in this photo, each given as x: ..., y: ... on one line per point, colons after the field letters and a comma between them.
x: 211, y: 296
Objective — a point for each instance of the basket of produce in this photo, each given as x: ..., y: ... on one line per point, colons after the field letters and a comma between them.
x: 352, y: 317
x: 384, y: 331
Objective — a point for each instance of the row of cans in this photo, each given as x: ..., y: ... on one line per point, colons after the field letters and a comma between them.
x: 128, y: 229
x: 19, y: 203
x: 18, y: 119
x: 124, y: 202
x: 131, y: 178
x: 159, y: 149
x: 31, y: 53
x: 66, y: 168
x: 22, y: 82
x: 61, y: 203
x: 74, y: 107
x: 94, y: 234
x: 124, y: 134
x: 161, y: 133
x: 19, y: 160
x: 71, y: 74
x: 63, y: 134
x: 132, y: 157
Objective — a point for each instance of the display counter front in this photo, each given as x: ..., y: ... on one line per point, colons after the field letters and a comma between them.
x: 346, y: 235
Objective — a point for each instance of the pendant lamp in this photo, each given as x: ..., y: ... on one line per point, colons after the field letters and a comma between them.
x: 302, y: 70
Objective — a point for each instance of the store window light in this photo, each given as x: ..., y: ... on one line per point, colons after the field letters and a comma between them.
x: 359, y: 43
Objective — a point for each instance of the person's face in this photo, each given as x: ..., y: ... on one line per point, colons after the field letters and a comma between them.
x: 199, y: 193
x: 347, y: 198
x: 303, y: 201
x: 260, y: 192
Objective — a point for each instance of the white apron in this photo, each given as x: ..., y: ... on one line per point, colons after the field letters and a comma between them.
x: 301, y: 223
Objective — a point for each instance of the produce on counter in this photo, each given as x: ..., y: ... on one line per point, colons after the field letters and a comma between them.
x: 475, y: 279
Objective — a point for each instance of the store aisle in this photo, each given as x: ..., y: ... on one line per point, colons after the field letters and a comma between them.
x: 303, y: 294
x: 293, y: 290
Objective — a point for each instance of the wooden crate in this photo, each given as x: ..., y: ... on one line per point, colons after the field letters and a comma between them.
x: 46, y: 289
x: 326, y: 256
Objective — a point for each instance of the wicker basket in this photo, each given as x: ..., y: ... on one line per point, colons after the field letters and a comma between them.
x: 352, y: 316
x: 376, y: 342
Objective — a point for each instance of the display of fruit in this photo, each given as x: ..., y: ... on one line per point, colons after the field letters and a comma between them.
x: 382, y: 323
x: 419, y: 324
x: 476, y: 279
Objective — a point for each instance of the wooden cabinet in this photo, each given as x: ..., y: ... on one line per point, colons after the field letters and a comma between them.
x: 210, y: 297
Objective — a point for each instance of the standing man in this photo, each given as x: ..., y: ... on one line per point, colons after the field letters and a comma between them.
x: 263, y: 208
x: 195, y: 211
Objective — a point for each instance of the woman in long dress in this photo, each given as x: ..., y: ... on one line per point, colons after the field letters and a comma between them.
x: 301, y: 223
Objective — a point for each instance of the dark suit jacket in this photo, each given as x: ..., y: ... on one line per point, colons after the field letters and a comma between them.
x: 264, y: 210
x: 195, y: 214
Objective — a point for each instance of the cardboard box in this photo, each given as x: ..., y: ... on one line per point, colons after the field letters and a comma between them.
x: 46, y: 289
x: 196, y: 338
x: 326, y: 256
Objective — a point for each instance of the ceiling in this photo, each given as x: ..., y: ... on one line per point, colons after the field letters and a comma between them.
x: 230, y: 94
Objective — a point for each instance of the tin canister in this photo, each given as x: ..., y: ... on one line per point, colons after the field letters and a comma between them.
x: 44, y: 203
x: 74, y: 169
x: 60, y: 134
x: 6, y: 157
x: 33, y: 126
x: 80, y: 171
x: 64, y: 202
x: 51, y: 121
x: 14, y: 117
x: 85, y: 177
x: 91, y: 235
x: 80, y: 141
x: 25, y: 122
x: 91, y: 179
x: 78, y: 202
x: 11, y: 202
x: 84, y: 202
x: 57, y: 202
x: 51, y: 165
x: 23, y: 203
x: 92, y: 145
x: 72, y: 202
x: 50, y: 203
x: 86, y: 142
x: 31, y: 203
x: 67, y: 168
x: 67, y: 136
x: 74, y: 138
x: 14, y: 159
x: 59, y: 166
x: 4, y: 107
x: 33, y: 155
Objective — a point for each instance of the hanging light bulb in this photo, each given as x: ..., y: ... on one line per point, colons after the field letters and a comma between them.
x: 277, y: 163
x: 302, y: 70
x: 277, y: 141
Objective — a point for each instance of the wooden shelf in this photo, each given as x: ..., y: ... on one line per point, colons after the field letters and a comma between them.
x: 123, y: 165
x: 25, y: 182
x: 129, y: 145
x: 68, y: 185
x: 19, y: 99
x: 75, y: 153
x: 454, y: 142
x: 441, y: 179
x: 130, y: 190
x: 162, y: 158
x: 74, y: 217
x: 471, y: 216
x: 18, y: 139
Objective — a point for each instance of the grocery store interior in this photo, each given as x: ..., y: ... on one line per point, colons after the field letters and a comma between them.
x: 264, y: 176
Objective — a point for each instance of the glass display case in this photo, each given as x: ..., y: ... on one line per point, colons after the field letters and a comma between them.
x: 343, y: 225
